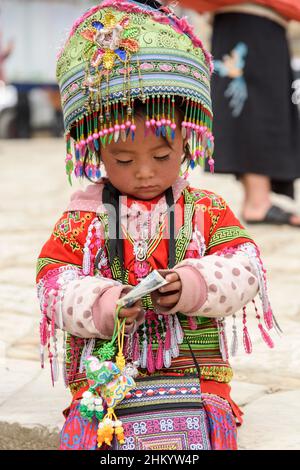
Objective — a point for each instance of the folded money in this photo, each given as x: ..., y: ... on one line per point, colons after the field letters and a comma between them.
x: 152, y: 282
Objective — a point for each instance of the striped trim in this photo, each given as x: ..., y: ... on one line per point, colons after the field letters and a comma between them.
x: 226, y: 234
x: 42, y: 262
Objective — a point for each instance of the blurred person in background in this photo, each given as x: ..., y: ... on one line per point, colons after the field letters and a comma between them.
x: 257, y: 131
x: 4, y: 54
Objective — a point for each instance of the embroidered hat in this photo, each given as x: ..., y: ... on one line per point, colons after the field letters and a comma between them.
x: 122, y: 51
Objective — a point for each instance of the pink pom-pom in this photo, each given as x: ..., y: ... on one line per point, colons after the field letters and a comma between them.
x: 158, y: 123
x: 117, y: 127
x: 68, y: 157
x: 95, y: 136
x: 197, y: 128
x: 82, y: 143
x: 163, y: 122
x: 152, y: 122
x: 123, y: 127
x: 184, y: 124
x: 105, y: 132
x: 128, y: 123
x: 133, y: 127
x: 189, y: 125
x: 101, y: 133
x: 111, y: 130
x: 77, y: 146
x: 147, y: 124
x: 89, y: 139
x: 169, y: 122
x: 173, y: 126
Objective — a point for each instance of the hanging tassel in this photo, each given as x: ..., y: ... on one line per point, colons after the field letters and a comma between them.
x: 246, y: 336
x: 222, y: 340
x: 178, y: 330
x: 174, y: 344
x: 44, y: 330
x: 167, y: 358
x: 265, y: 336
x: 167, y: 345
x: 136, y: 349
x: 247, y: 341
x: 51, y: 366
x: 150, y: 359
x: 192, y: 323
x: 86, y: 265
x: 64, y: 367
x: 55, y: 369
x: 87, y: 351
x: 268, y: 318
x: 234, y: 341
x: 144, y: 348
x: 159, y: 360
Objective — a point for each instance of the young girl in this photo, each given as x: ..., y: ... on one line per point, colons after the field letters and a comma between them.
x: 135, y: 87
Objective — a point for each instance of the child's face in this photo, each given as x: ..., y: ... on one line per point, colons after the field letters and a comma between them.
x: 145, y: 167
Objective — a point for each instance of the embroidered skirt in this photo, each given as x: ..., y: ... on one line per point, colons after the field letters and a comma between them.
x: 256, y: 124
x: 80, y: 434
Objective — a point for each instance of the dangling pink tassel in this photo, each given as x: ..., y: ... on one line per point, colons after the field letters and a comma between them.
x: 268, y: 318
x: 267, y: 339
x: 136, y: 349
x: 44, y: 330
x: 159, y: 360
x: 247, y: 340
x: 150, y: 359
x: 51, y: 366
x: 192, y: 323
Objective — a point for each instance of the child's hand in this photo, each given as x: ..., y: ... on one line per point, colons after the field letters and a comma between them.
x: 168, y: 296
x: 132, y: 314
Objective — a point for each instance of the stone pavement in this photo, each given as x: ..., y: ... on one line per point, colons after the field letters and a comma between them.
x: 34, y: 192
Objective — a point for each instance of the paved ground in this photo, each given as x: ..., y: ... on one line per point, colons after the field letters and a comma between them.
x: 33, y: 194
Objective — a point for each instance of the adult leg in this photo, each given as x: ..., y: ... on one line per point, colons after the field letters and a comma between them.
x: 257, y: 200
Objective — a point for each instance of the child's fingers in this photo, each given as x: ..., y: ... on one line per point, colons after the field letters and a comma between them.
x: 130, y: 312
x: 169, y: 300
x: 172, y: 277
x: 173, y: 286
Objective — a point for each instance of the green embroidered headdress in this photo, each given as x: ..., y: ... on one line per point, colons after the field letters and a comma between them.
x: 122, y: 51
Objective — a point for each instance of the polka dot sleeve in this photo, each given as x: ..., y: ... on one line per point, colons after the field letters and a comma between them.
x: 229, y: 282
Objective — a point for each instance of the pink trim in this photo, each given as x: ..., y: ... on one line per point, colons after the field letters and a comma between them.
x: 181, y: 25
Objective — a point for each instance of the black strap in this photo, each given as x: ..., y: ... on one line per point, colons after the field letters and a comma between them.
x: 111, y: 199
x: 171, y: 214
x: 197, y: 366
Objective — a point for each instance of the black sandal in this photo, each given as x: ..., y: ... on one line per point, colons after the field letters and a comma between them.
x: 275, y: 216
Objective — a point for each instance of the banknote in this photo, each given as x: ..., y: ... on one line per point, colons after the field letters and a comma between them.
x: 153, y: 281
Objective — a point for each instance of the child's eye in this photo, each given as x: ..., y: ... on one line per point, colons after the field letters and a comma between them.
x: 123, y: 162
x: 164, y: 157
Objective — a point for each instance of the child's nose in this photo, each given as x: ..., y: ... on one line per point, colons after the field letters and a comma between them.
x: 144, y: 172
